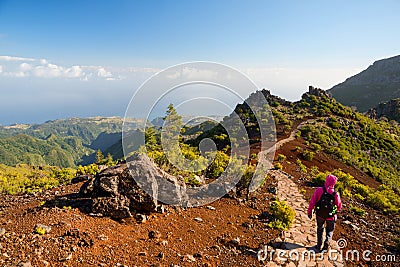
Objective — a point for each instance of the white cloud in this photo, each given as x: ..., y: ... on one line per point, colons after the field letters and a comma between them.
x: 74, y: 72
x: 15, y: 74
x: 174, y: 75
x: 10, y: 58
x: 43, y: 68
x: 1, y: 68
x: 25, y: 67
x: 103, y: 73
x: 198, y: 74
x: 193, y: 74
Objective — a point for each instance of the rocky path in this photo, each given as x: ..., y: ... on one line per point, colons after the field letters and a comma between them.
x: 295, y: 246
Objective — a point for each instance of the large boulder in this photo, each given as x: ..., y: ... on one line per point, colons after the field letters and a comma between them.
x: 115, y: 191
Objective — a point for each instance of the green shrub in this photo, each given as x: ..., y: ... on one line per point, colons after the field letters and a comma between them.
x: 303, y: 168
x: 219, y: 164
x: 65, y: 175
x: 283, y: 215
x: 28, y: 179
x: 314, y: 171
x: 378, y: 200
x: 278, y: 166
x: 308, y: 155
x: 316, y: 146
x: 361, y: 189
x: 91, y: 169
x: 244, y: 182
x: 275, y: 104
x: 253, y: 156
x: 191, y: 179
x: 359, y: 197
x: 281, y: 157
x: 356, y: 210
x: 40, y: 230
x: 319, y: 179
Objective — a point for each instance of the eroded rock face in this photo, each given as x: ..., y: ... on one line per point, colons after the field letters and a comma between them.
x: 115, y: 192
x: 389, y: 109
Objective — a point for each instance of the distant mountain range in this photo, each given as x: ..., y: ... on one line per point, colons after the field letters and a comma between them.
x: 74, y: 141
x: 379, y: 83
x: 64, y: 142
x: 189, y: 120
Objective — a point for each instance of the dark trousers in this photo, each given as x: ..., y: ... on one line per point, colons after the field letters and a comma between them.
x: 330, y: 226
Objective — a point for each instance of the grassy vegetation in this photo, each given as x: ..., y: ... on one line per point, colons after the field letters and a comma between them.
x: 26, y: 179
x: 356, y: 210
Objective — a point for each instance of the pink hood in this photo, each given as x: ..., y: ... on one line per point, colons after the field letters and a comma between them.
x: 330, y: 183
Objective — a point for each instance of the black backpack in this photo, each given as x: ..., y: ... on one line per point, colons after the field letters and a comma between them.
x: 326, y: 207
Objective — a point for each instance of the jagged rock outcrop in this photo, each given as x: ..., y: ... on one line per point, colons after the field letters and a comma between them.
x: 124, y: 189
x: 318, y: 92
x: 274, y: 99
x: 390, y: 110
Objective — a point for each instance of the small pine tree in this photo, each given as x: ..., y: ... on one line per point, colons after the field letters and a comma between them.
x: 99, y: 157
x: 109, y: 160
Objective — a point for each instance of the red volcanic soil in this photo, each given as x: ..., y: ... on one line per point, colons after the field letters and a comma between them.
x: 228, y: 233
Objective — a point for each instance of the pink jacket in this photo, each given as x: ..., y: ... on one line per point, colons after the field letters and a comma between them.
x: 330, y: 187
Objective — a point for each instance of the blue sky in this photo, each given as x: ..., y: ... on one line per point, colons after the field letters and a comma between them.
x: 64, y: 58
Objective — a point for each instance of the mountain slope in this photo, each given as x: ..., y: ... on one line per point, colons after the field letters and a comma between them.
x: 380, y: 82
x: 54, y: 150
x: 64, y: 142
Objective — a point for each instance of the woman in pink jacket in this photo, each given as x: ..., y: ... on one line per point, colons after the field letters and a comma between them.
x: 326, y: 202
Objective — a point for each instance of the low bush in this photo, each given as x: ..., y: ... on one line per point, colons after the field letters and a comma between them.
x: 356, y: 210
x: 283, y: 215
x: 278, y: 166
x: 40, y: 230
x: 281, y: 157
x: 303, y: 168
x: 308, y: 155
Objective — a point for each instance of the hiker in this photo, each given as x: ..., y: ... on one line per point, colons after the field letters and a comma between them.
x: 326, y: 203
